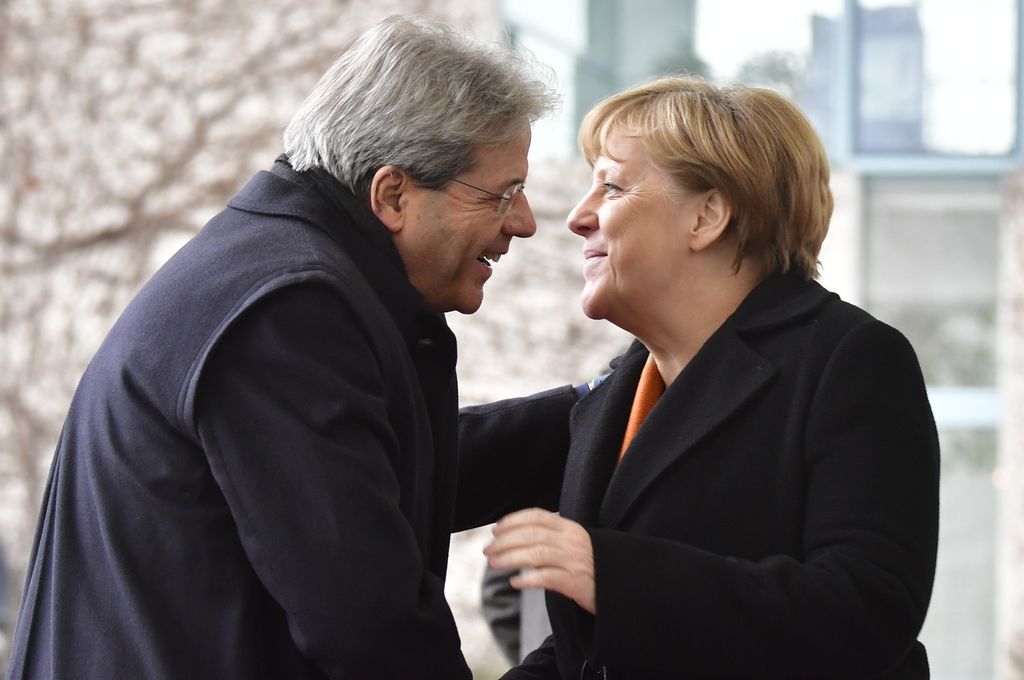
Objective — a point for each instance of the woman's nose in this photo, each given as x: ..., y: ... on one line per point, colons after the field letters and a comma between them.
x: 582, y: 219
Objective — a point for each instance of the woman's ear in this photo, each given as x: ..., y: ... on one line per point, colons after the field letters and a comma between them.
x: 387, y: 189
x: 713, y: 216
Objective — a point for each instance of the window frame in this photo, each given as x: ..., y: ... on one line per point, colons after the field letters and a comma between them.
x: 844, y: 152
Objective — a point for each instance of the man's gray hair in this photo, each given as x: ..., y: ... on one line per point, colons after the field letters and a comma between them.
x: 414, y: 93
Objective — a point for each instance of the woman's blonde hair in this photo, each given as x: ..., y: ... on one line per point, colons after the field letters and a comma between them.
x: 751, y: 144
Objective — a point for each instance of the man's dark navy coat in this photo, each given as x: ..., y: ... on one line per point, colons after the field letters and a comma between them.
x: 256, y: 476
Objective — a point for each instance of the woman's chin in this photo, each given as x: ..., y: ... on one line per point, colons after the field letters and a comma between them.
x: 592, y: 305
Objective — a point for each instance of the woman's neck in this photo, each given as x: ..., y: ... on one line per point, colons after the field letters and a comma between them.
x: 676, y: 332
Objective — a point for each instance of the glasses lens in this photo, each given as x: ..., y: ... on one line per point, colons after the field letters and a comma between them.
x: 506, y: 203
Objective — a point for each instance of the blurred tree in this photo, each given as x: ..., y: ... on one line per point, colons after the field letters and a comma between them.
x: 778, y: 70
x: 687, y: 63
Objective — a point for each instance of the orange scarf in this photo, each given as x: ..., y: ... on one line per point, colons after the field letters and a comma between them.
x: 650, y: 387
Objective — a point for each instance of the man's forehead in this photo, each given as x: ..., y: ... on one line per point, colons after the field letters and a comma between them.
x: 506, y: 161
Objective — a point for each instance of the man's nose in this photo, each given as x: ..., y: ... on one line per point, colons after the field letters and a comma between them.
x: 520, y: 221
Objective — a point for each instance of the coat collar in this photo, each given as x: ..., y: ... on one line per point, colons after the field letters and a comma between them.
x: 726, y: 374
x: 778, y: 301
x: 317, y: 198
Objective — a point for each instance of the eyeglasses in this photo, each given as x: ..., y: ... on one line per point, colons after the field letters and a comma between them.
x: 505, y: 200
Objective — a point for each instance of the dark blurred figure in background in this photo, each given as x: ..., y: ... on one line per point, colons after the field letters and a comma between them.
x: 518, y: 619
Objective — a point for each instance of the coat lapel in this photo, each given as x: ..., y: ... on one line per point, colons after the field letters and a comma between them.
x: 724, y: 376
x: 597, y: 423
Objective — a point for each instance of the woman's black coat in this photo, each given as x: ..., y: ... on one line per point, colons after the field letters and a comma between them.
x: 776, y: 515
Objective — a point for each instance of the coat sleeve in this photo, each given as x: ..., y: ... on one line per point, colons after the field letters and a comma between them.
x: 854, y: 602
x: 512, y: 455
x: 292, y: 416
x: 540, y: 664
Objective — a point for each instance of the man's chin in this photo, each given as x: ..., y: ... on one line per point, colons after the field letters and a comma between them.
x: 468, y: 303
x: 470, y: 307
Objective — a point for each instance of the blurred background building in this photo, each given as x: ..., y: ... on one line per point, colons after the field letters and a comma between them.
x: 125, y: 125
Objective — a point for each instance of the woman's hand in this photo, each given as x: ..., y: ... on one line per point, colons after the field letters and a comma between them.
x: 554, y: 553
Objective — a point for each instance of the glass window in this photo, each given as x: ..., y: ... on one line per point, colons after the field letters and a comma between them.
x: 959, y: 631
x: 881, y: 80
x: 936, y: 76
x: 931, y: 255
x: 791, y: 47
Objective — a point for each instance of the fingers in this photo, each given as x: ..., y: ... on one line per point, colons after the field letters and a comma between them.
x: 555, y: 553
x: 547, y: 578
x: 536, y: 538
x: 521, y: 537
x: 525, y: 555
x: 528, y: 517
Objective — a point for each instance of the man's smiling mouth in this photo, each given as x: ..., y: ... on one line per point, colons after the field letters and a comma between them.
x: 489, y: 258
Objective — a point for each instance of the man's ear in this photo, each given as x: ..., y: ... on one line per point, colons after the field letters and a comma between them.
x: 387, y: 191
x: 713, y: 217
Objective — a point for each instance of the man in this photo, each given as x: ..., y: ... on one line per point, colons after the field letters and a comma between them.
x: 256, y: 478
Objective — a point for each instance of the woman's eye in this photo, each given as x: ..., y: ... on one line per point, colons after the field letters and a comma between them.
x: 610, y: 187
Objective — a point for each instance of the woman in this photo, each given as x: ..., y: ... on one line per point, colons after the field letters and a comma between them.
x: 753, y: 491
